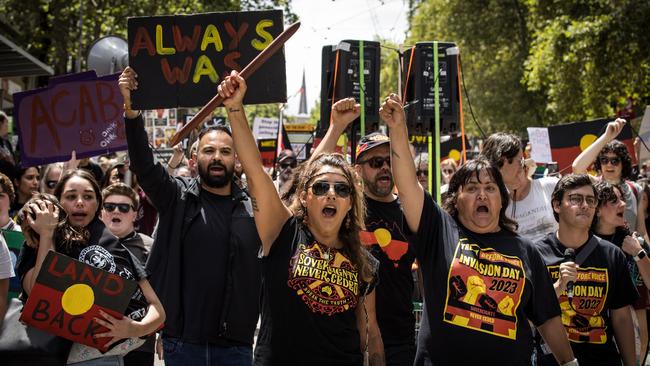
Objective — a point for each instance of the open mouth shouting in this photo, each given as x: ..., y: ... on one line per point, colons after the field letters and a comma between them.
x: 329, y: 211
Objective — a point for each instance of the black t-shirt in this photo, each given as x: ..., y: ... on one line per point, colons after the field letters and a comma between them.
x: 480, y: 292
x: 310, y: 294
x: 603, y: 283
x: 205, y: 251
x: 103, y: 251
x: 386, y: 240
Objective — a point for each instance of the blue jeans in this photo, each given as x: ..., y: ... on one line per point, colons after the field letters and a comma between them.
x: 180, y: 353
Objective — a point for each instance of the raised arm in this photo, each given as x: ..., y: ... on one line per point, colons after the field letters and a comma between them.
x: 589, y: 155
x: 43, y: 223
x: 343, y: 112
x: 270, y: 213
x: 410, y: 191
x: 159, y: 186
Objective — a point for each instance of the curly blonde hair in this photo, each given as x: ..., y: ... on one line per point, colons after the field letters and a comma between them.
x: 354, y: 221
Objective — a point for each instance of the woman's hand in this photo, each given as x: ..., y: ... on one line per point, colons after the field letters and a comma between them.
x: 118, y: 328
x: 45, y: 217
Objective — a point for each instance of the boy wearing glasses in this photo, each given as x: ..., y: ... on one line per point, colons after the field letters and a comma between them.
x: 384, y: 236
x: 594, y: 288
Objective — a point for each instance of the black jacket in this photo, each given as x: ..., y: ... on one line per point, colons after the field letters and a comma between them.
x: 178, y: 204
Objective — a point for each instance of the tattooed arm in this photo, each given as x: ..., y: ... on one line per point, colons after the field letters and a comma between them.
x: 270, y: 213
x: 410, y: 191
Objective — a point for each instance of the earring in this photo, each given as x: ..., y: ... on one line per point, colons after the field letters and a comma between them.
x: 347, y: 221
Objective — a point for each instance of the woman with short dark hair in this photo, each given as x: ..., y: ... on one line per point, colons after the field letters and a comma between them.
x: 482, y: 282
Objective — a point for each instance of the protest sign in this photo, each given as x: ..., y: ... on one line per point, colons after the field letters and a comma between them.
x: 78, y: 112
x: 569, y: 140
x: 181, y: 59
x: 644, y: 134
x: 265, y: 128
x: 68, y: 295
x: 540, y: 145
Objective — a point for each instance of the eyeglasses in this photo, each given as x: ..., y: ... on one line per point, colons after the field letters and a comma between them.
x: 376, y: 162
x: 614, y: 161
x: 578, y: 199
x: 448, y: 171
x: 123, y: 207
x: 291, y: 164
x: 420, y: 172
x: 321, y: 188
x: 51, y: 183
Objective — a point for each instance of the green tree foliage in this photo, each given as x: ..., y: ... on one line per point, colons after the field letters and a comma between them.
x: 536, y: 63
x: 50, y: 29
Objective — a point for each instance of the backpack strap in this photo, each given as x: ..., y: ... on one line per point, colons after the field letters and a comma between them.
x: 588, y: 249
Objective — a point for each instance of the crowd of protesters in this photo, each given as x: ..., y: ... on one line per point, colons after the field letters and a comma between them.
x: 325, y: 259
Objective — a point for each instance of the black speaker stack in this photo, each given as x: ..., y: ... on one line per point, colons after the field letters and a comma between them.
x: 419, y: 78
x: 342, y: 79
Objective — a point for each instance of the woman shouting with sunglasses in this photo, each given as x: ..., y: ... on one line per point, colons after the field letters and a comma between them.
x: 612, y: 161
x: 318, y: 299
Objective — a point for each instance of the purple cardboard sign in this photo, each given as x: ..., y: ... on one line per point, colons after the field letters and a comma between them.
x: 73, y: 113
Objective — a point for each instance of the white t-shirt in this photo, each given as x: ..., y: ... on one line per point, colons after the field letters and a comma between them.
x: 535, y: 212
x: 6, y: 266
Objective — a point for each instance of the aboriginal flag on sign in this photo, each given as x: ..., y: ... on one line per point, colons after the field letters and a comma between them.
x: 453, y: 149
x: 68, y: 295
x: 569, y: 140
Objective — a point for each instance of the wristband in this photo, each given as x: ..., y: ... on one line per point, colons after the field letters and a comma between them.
x: 573, y: 362
x: 642, y: 254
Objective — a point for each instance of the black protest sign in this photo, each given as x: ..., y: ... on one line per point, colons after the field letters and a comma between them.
x: 181, y: 59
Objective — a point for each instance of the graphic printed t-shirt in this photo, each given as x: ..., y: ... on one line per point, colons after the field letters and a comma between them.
x: 480, y: 292
x: 603, y: 283
x: 310, y: 294
x: 534, y: 214
x: 386, y: 241
x: 205, y: 252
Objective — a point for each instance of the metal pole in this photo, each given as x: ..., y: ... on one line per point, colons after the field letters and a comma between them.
x: 80, y: 24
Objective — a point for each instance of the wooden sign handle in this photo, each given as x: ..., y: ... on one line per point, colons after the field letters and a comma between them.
x: 216, y: 101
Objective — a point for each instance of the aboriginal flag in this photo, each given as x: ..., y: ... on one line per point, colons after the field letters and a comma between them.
x: 453, y: 148
x: 569, y: 140
x: 68, y: 295
x: 267, y: 148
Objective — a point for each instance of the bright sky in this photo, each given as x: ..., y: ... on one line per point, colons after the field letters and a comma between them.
x: 327, y: 22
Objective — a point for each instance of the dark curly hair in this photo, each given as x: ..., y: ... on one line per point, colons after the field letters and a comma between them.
x: 467, y: 171
x: 606, y: 192
x: 66, y: 236
x: 348, y: 233
x: 620, y: 150
x: 500, y: 146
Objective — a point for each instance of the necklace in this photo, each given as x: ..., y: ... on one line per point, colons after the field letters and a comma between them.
x: 326, y: 255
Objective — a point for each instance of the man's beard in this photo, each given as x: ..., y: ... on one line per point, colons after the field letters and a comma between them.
x: 215, y: 182
x: 373, y: 187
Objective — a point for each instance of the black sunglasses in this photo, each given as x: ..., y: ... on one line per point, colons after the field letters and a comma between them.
x: 421, y: 172
x: 321, y: 188
x: 376, y: 162
x: 51, y: 183
x: 605, y: 160
x: 291, y: 164
x: 123, y: 207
